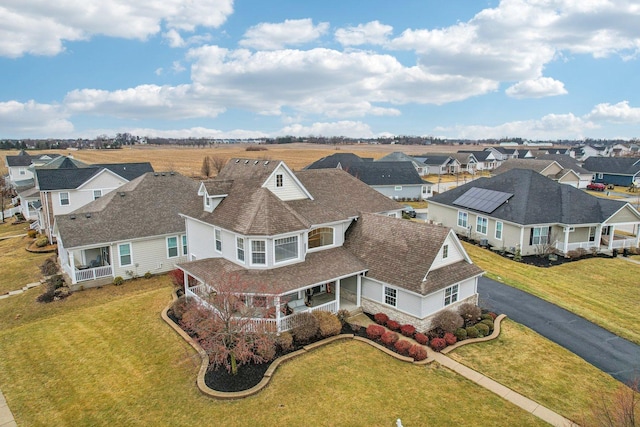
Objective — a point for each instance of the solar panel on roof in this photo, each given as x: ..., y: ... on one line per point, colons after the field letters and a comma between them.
x: 481, y: 199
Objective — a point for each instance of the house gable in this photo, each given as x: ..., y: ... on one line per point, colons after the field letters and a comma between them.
x: 105, y: 179
x: 454, y: 253
x: 285, y: 185
x: 626, y: 214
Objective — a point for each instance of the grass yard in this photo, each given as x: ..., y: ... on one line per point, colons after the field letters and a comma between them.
x: 541, y: 370
x: 104, y: 357
x: 8, y: 229
x: 604, y: 291
x: 19, y: 267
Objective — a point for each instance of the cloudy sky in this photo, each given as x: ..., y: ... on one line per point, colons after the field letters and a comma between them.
x: 538, y: 69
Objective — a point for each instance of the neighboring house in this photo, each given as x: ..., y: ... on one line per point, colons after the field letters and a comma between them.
x: 21, y: 167
x: 398, y: 156
x: 502, y: 153
x: 569, y: 163
x: 584, y: 152
x: 486, y: 160
x: 549, y: 168
x: 524, y: 153
x: 439, y: 164
x: 614, y: 170
x: 319, y: 232
x: 65, y: 190
x: 522, y: 209
x: 29, y: 199
x: 462, y: 162
x: 128, y: 232
x: 395, y: 179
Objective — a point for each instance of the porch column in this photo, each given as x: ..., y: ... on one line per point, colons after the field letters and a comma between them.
x: 612, y: 232
x: 566, y: 240
x: 338, y: 293
x: 186, y: 281
x: 358, y: 289
x: 637, y: 231
x: 72, y: 264
x: 277, y: 303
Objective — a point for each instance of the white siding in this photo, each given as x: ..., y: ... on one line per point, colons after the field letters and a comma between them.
x: 200, y: 240
x: 455, y: 253
x: 147, y: 255
x: 105, y: 181
x: 290, y: 189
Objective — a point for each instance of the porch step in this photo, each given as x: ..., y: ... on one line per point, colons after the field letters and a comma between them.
x: 355, y: 311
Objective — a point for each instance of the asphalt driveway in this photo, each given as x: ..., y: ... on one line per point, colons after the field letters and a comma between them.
x: 616, y: 356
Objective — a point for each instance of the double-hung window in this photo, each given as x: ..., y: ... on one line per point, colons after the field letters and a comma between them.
x: 451, y: 295
x: 218, y: 238
x: 285, y: 248
x: 64, y: 199
x: 97, y: 194
x: 279, y: 180
x: 185, y: 249
x: 172, y: 247
x: 540, y: 235
x: 481, y: 224
x: 498, y: 230
x: 445, y: 251
x: 462, y: 219
x: 390, y: 296
x: 124, y: 253
x: 240, y: 248
x: 258, y: 252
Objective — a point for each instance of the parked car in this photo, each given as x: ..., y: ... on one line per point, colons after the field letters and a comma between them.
x: 409, y: 211
x: 596, y: 186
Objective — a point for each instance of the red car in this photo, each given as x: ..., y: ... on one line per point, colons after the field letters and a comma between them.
x: 596, y: 186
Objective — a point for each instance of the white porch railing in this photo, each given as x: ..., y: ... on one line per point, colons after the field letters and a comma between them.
x: 34, y: 225
x: 93, y: 273
x: 578, y: 245
x: 621, y: 243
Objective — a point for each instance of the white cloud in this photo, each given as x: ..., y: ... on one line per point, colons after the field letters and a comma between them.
x: 44, y: 25
x: 174, y: 38
x: 291, y: 32
x: 194, y: 132
x: 370, y: 33
x: 342, y: 128
x: 617, y: 113
x: 538, y: 88
x: 31, y: 119
x: 177, y: 67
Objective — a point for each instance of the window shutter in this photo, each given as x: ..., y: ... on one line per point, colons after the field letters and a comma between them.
x: 531, y: 237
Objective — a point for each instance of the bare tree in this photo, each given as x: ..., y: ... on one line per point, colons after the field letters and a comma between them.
x: 217, y: 163
x: 621, y: 411
x: 205, y: 170
x: 226, y: 327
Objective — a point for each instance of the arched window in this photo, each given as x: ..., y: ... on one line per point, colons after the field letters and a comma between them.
x: 322, y: 236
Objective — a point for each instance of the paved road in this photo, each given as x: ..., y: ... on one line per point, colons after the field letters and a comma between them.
x: 614, y: 355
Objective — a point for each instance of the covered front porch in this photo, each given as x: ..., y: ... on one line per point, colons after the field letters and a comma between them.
x: 599, y: 237
x: 82, y: 265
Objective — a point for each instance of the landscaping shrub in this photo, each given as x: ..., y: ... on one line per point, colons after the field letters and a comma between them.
x: 118, y: 280
x: 461, y: 334
x: 32, y: 234
x: 194, y: 318
x: 407, y: 330
x: 450, y: 339
x: 438, y: 344
x: 393, y: 325
x: 42, y: 241
x: 148, y: 275
x: 482, y: 329
x: 374, y: 332
x: 307, y: 329
x: 447, y: 320
x: 265, y: 351
x: 49, y: 266
x: 343, y: 315
x: 421, y: 338
x: 328, y: 324
x: 177, y: 278
x: 486, y: 316
x: 54, y: 289
x: 380, y: 318
x: 402, y: 347
x: 285, y: 341
x: 493, y: 315
x: 180, y: 307
x: 489, y: 323
x: 418, y: 352
x: 469, y: 312
x: 472, y: 332
x: 389, y: 338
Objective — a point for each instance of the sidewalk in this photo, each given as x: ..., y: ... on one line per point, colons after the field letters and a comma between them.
x: 18, y: 292
x: 506, y: 393
x: 6, y: 417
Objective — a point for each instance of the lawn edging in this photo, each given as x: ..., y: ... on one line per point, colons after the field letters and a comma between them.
x: 492, y: 335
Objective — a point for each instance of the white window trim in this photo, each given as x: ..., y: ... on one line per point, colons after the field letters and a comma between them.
x: 397, y: 188
x: 484, y: 220
x: 466, y: 219
x: 288, y: 259
x: 333, y: 237
x: 217, y: 233
x: 501, y: 230
x: 99, y: 191
x: 279, y: 180
x: 395, y: 296
x: 130, y: 254
x: 445, y: 251
x: 454, y: 291
x: 177, y: 247
x: 252, y: 252
x: 185, y: 245
x: 68, y: 198
x: 238, y: 249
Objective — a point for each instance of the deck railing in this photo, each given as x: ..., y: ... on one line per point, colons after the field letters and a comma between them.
x: 93, y: 273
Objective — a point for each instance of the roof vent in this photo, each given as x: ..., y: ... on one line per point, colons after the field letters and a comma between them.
x: 155, y: 174
x: 163, y: 174
x: 87, y: 215
x: 72, y: 217
x: 266, y: 163
x: 237, y: 160
x: 172, y: 173
x: 122, y: 193
x: 256, y: 162
x: 246, y: 161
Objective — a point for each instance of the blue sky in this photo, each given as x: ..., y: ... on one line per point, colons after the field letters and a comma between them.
x: 536, y: 69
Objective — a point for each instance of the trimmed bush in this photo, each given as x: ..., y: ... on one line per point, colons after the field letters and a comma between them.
x: 389, y: 338
x: 343, y: 315
x: 328, y: 324
x: 180, y: 306
x: 482, y: 329
x: 493, y: 315
x: 285, y: 341
x: 380, y: 318
x: 450, y: 339
x: 461, y: 334
x: 418, y: 352
x: 488, y: 322
x: 421, y: 338
x: 307, y: 329
x: 42, y: 241
x: 472, y: 332
x: 374, y: 332
x: 393, y: 325
x: 402, y: 347
x: 407, y: 330
x: 32, y: 234
x: 49, y: 267
x: 148, y: 275
x: 469, y: 311
x: 486, y: 316
x: 447, y: 320
x: 118, y: 280
x: 54, y: 289
x: 438, y: 344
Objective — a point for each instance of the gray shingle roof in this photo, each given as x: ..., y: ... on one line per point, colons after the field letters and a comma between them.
x: 537, y: 200
x: 20, y: 160
x: 613, y: 165
x: 128, y: 171
x: 385, y: 173
x: 343, y: 159
x: 481, y: 156
x: 537, y: 165
x: 566, y: 161
x: 147, y: 206
x: 401, y: 252
x: 434, y: 159
x: 70, y: 178
x: 398, y: 156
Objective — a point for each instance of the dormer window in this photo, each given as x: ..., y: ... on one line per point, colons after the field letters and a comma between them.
x: 322, y: 236
x: 207, y: 201
x: 279, y: 180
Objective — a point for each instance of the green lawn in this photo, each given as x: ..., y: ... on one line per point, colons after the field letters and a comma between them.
x: 104, y: 357
x: 605, y: 291
x: 541, y: 370
x: 7, y: 228
x: 19, y: 267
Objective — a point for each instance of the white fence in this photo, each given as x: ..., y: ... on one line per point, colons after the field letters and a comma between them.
x: 93, y: 273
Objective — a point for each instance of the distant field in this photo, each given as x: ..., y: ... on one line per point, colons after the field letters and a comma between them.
x: 188, y: 160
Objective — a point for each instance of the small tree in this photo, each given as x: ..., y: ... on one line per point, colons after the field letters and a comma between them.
x: 217, y: 163
x: 205, y: 170
x: 623, y: 410
x: 226, y: 330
